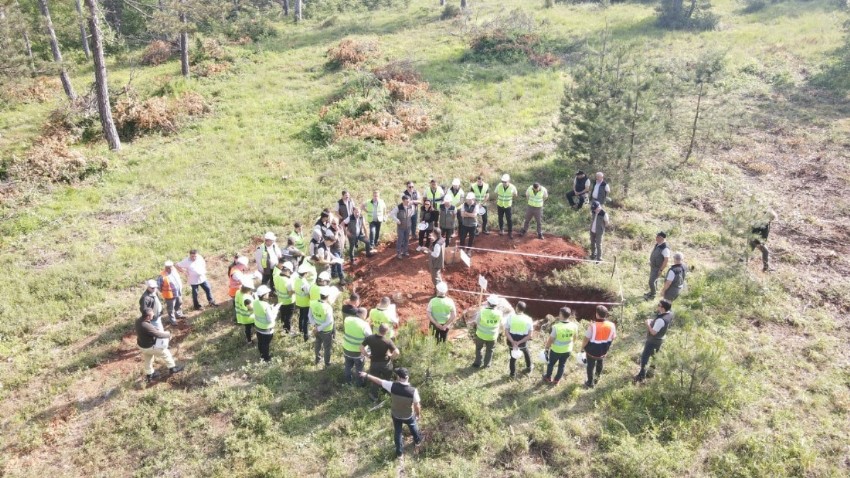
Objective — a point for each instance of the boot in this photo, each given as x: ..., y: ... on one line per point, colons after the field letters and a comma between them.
x: 176, y: 369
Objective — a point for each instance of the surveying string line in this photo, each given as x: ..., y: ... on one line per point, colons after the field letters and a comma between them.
x: 545, y: 256
x: 538, y: 300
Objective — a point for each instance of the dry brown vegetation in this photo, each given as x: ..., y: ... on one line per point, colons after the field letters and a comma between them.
x: 157, y: 114
x: 351, y: 53
x: 51, y: 160
x: 157, y: 53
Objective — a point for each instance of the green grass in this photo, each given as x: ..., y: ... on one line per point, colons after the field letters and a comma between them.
x: 76, y: 257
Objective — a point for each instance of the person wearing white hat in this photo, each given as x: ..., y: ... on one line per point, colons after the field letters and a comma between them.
x: 150, y: 300
x: 195, y: 267
x: 455, y: 195
x: 442, y: 313
x: 171, y: 288
x: 236, y: 274
x: 284, y: 285
x: 322, y: 319
x: 518, y: 332
x: 302, y: 285
x: 468, y: 221
x: 267, y: 256
x: 265, y: 315
x: 488, y: 324
x: 505, y: 194
x: 482, y: 196
x: 536, y: 195
x: 243, y: 303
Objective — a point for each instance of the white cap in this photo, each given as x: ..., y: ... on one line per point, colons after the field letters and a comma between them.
x: 493, y: 299
x: 288, y: 266
x: 325, y: 276
x: 325, y: 291
x: 456, y: 182
x: 248, y: 283
x: 470, y: 195
x: 263, y: 290
x: 169, y: 264
x: 270, y: 236
x: 303, y: 269
x: 506, y: 177
x: 150, y: 283
x: 242, y: 260
x: 442, y: 287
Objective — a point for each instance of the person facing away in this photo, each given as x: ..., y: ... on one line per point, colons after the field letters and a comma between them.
x: 442, y: 313
x: 674, y: 282
x: 597, y: 342
x: 381, y: 351
x: 559, y: 345
x: 519, y: 329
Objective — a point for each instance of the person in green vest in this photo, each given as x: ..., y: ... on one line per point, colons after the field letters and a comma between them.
x: 518, y: 332
x: 536, y: 195
x: 302, y: 286
x: 488, y: 323
x: 505, y: 194
x: 434, y: 192
x: 355, y: 330
x: 265, y: 315
x: 322, y: 319
x: 482, y: 197
x: 298, y: 239
x: 376, y: 213
x: 559, y: 345
x: 284, y: 286
x: 323, y: 280
x: 243, y: 302
x: 442, y: 313
x: 383, y: 315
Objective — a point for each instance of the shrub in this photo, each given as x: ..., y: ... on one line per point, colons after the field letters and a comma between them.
x: 208, y: 49
x: 37, y: 90
x: 75, y: 121
x: 450, y: 11
x: 350, y: 53
x: 157, y: 114
x: 751, y: 6
x: 508, y: 39
x: 401, y: 79
x: 158, y: 52
x: 251, y: 23
x: 51, y: 160
x: 686, y: 15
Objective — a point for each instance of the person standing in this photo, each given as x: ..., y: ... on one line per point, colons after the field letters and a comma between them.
x: 336, y: 248
x: 384, y: 314
x: 454, y: 194
x: 482, y: 197
x: 434, y: 193
x: 581, y: 188
x: 416, y: 201
x: 518, y: 331
x: 355, y: 330
x: 322, y: 319
x: 153, y: 343
x: 376, y: 211
x: 442, y: 313
x: 345, y: 206
x: 236, y: 275
x: 297, y: 237
x: 381, y: 351
x: 468, y: 222
x: 350, y: 306
x: 195, y: 267
x: 402, y: 214
x: 598, y: 223
x: 150, y: 300
x: 536, y: 195
x: 600, y: 190
x: 430, y: 216
x: 171, y: 288
x: 559, y: 345
x: 405, y: 407
x: 597, y: 342
x: 658, y: 259
x: 265, y: 316
x: 758, y: 238
x: 284, y: 286
x: 355, y: 229
x: 656, y: 329
x: 303, y: 284
x: 448, y: 220
x: 675, y: 280
x: 437, y: 256
x: 505, y: 194
x: 267, y: 256
x: 488, y: 322
x: 244, y: 304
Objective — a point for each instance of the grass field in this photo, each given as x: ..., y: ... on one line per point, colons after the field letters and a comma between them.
x: 76, y: 257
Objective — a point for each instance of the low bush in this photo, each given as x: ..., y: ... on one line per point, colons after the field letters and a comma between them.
x: 450, y: 11
x: 508, y: 39
x: 158, y: 52
x: 686, y: 15
x: 51, y: 160
x: 401, y: 79
x: 74, y: 121
x: 350, y: 53
x: 37, y: 90
x: 157, y: 114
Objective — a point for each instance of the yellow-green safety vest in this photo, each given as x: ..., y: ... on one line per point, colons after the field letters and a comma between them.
x: 376, y: 214
x: 320, y: 316
x: 441, y: 309
x: 455, y: 199
x: 315, y: 292
x: 480, y: 192
x: 434, y: 196
x: 505, y: 195
x: 535, y: 199
x: 298, y: 241
x: 564, y: 334
x: 518, y: 322
x: 281, y: 288
x: 378, y: 317
x: 261, y: 321
x: 356, y: 330
x: 244, y: 315
x: 302, y: 299
x: 488, y: 325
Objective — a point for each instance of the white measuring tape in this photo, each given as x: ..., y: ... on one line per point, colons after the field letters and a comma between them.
x: 564, y: 258
x: 539, y: 300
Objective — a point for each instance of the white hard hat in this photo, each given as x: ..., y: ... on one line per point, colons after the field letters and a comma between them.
x: 248, y: 283
x: 288, y: 266
x: 150, y: 283
x: 242, y: 260
x: 506, y: 177
x: 470, y: 195
x: 515, y: 353
x: 303, y: 269
x: 263, y: 290
x: 325, y: 276
x: 270, y: 236
x: 456, y: 182
x: 325, y: 291
x: 442, y: 287
x: 169, y: 264
x: 493, y: 299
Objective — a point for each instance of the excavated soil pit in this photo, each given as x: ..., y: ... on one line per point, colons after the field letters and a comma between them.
x: 408, y: 281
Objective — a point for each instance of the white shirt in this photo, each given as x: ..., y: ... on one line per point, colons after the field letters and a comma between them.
x: 658, y: 325
x: 437, y: 250
x: 196, y: 270
x: 388, y: 386
x: 596, y: 189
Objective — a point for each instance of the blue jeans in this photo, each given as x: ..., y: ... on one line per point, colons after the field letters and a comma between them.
x: 414, y: 221
x: 203, y: 285
x: 355, y: 363
x: 374, y: 232
x: 414, y: 430
x: 352, y: 245
x: 336, y: 269
x: 403, y: 239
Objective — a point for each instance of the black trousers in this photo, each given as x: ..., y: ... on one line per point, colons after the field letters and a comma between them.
x: 593, y: 363
x: 572, y: 196
x: 425, y: 238
x: 560, y: 360
x: 649, y: 349
x: 304, y: 321
x: 505, y: 213
x: 447, y: 235
x: 284, y: 316
x: 525, y: 353
x: 467, y: 235
x: 484, y: 222
x: 440, y: 335
x: 264, y: 344
x: 249, y: 332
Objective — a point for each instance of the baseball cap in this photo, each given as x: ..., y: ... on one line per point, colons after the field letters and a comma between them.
x: 470, y: 195
x: 169, y: 264
x: 594, y: 205
x: 325, y: 276
x: 288, y: 266
x: 662, y: 234
x: 402, y: 372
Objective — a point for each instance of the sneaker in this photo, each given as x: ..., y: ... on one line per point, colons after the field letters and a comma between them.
x: 638, y: 378
x: 588, y: 385
x: 176, y: 369
x: 151, y: 377
x: 172, y: 321
x: 510, y: 235
x: 398, y: 256
x: 547, y: 379
x: 406, y: 254
x: 476, y: 365
x: 648, y: 296
x: 529, y: 370
x: 501, y: 232
x: 521, y: 233
x: 197, y: 307
x: 486, y: 233
x: 213, y: 304
x: 512, y: 375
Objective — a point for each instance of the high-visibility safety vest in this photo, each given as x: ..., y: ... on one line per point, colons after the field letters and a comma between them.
x: 601, y: 332
x: 244, y: 315
x: 565, y: 332
x: 376, y: 213
x: 264, y: 256
x: 434, y: 196
x: 356, y: 330
x: 324, y: 320
x: 315, y: 292
x: 234, y: 284
x: 302, y: 299
x: 281, y: 288
x: 167, y: 290
x: 454, y: 198
x: 536, y: 199
x: 298, y: 241
x: 519, y: 324
x: 379, y: 317
x: 261, y: 321
x: 505, y: 195
x: 441, y: 309
x: 480, y: 192
x: 488, y: 325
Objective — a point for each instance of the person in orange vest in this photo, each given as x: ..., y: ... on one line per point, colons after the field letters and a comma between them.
x: 597, y: 343
x: 171, y: 288
x: 235, y: 273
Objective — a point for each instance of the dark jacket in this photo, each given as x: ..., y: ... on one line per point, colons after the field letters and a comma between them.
x: 146, y: 333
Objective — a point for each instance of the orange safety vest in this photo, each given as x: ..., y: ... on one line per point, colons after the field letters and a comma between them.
x: 167, y: 290
x: 601, y: 332
x: 234, y: 284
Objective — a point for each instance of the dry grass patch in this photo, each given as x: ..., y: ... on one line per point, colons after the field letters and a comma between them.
x: 51, y: 160
x: 351, y: 53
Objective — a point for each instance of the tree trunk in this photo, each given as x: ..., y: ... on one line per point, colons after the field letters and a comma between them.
x: 101, y: 86
x: 298, y: 11
x: 84, y: 38
x: 694, y: 129
x: 285, y: 5
x: 464, y: 4
x: 27, y: 44
x: 54, y: 47
x: 184, y: 41
x: 442, y: 3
